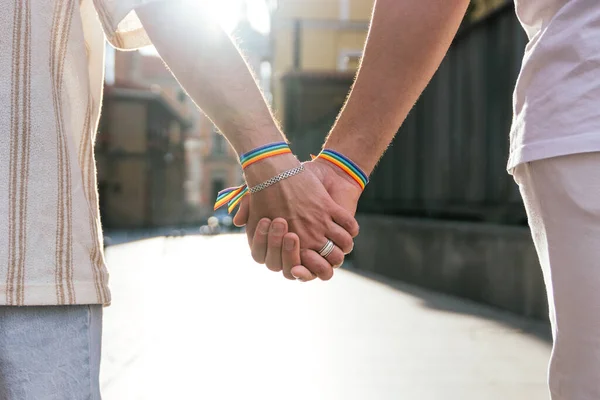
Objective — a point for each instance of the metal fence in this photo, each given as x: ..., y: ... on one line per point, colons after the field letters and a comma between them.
x: 449, y: 157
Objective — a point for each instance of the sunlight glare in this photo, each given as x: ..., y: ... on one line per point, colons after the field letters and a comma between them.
x: 228, y: 13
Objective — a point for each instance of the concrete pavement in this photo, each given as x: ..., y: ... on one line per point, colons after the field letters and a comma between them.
x: 195, y: 318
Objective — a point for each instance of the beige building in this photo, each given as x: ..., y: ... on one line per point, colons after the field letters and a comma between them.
x: 317, y: 46
x: 149, y: 70
x: 481, y: 8
x: 211, y: 164
x: 141, y: 159
x: 315, y: 36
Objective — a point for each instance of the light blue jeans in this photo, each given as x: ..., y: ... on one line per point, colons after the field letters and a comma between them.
x: 50, y: 353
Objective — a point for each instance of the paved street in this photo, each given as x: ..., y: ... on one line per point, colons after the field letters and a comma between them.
x: 195, y: 318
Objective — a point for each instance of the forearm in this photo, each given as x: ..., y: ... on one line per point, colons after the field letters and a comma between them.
x: 406, y: 44
x: 210, y: 68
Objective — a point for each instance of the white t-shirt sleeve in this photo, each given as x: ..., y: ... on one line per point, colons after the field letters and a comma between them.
x: 121, y: 25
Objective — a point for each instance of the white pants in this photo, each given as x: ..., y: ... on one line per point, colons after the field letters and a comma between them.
x: 562, y: 198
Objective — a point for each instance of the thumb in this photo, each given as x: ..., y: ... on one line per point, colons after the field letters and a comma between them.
x: 241, y: 217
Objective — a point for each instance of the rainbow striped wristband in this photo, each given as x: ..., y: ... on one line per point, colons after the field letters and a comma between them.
x: 231, y: 196
x: 263, y: 152
x: 346, y: 165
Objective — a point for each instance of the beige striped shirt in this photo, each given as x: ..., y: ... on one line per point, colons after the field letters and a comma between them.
x: 52, y: 58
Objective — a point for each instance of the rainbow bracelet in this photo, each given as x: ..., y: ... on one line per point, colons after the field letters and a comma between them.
x: 230, y: 196
x: 233, y: 195
x: 346, y: 165
x: 263, y: 152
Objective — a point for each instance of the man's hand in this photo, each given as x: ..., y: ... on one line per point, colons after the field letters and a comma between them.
x: 342, y: 189
x: 270, y: 243
x: 270, y: 238
x: 309, y: 211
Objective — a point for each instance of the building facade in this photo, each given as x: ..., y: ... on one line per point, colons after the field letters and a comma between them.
x: 210, y: 163
x: 148, y: 70
x: 479, y: 9
x: 141, y: 162
x: 315, y: 36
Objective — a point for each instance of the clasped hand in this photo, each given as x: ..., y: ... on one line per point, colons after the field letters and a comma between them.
x: 288, y: 223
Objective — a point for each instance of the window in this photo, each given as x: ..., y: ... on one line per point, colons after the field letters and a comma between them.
x: 349, y: 60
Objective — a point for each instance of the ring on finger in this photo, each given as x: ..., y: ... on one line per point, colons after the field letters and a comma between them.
x: 327, y: 249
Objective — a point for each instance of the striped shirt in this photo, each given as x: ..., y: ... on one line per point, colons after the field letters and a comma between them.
x: 52, y: 58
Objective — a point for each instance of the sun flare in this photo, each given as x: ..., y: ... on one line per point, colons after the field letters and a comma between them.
x: 229, y: 13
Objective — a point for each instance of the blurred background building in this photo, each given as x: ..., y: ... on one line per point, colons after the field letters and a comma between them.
x: 304, y: 54
x: 141, y: 158
x: 161, y: 161
x: 440, y: 212
x: 317, y: 45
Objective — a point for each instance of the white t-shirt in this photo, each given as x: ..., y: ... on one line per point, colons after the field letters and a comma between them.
x: 557, y: 96
x: 52, y: 58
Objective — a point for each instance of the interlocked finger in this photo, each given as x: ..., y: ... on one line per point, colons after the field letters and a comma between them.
x: 273, y: 259
x: 260, y: 240
x: 332, y: 253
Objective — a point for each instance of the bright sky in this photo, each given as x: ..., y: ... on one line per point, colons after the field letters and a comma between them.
x: 228, y: 13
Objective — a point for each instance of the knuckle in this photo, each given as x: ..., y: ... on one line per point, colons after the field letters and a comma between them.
x: 276, y: 237
x: 322, y: 269
x: 275, y: 244
x: 318, y: 269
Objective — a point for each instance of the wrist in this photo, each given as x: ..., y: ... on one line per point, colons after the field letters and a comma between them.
x: 335, y: 173
x: 359, y: 156
x: 268, y: 168
x: 249, y: 140
x: 344, y: 166
x: 260, y: 167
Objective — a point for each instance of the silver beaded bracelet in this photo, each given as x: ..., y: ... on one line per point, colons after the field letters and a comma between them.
x: 278, y: 178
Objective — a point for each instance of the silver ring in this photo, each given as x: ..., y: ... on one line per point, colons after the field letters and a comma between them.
x: 327, y: 249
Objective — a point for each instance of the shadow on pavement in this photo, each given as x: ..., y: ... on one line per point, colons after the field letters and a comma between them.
x: 453, y: 304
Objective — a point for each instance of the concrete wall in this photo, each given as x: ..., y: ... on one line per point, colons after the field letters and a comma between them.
x: 492, y: 264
